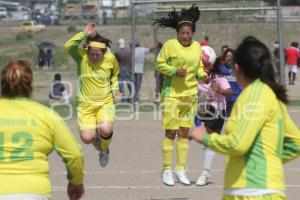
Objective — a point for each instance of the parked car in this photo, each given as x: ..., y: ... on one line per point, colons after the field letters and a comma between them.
x: 23, y: 13
x: 3, y: 12
x: 32, y: 26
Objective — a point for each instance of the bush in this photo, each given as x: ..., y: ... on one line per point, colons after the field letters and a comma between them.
x: 71, y: 29
x: 23, y: 36
x: 60, y: 58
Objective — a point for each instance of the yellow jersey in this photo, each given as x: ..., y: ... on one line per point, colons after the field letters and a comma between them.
x: 97, y: 82
x: 29, y: 132
x: 260, y: 136
x: 173, y: 56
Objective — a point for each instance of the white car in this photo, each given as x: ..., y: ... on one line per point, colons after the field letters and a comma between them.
x: 3, y: 12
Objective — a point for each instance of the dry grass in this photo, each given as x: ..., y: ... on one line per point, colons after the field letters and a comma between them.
x: 219, y: 34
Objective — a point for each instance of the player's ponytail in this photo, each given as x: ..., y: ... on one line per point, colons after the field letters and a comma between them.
x: 254, y: 59
x: 16, y: 79
x: 187, y: 17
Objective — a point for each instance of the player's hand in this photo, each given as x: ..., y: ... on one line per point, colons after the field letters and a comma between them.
x: 181, y: 72
x: 91, y: 29
x: 118, y: 96
x: 75, y: 192
x: 197, y: 133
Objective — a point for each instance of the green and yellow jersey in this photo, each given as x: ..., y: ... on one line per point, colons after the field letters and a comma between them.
x: 97, y: 82
x: 173, y: 56
x: 29, y: 132
x: 260, y: 136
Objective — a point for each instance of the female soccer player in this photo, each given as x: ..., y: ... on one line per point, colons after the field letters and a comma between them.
x: 226, y: 69
x: 29, y: 132
x: 260, y: 135
x: 211, y: 111
x: 98, y: 83
x: 180, y: 62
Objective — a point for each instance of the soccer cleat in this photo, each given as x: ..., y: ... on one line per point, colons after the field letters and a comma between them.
x: 182, y: 178
x: 167, y: 177
x: 97, y: 142
x: 202, y: 180
x: 104, y: 157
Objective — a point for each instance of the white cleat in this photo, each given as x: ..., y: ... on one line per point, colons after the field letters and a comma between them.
x: 202, y: 180
x: 104, y: 158
x: 167, y: 177
x: 182, y: 178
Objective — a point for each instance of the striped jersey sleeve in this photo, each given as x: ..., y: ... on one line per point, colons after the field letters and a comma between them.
x: 291, y: 143
x: 245, y: 122
x: 69, y: 149
x: 260, y: 136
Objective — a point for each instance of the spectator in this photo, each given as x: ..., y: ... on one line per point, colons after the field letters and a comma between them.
x: 205, y: 41
x: 227, y: 70
x: 292, y: 55
x: 140, y: 53
x: 104, y: 15
x: 49, y: 59
x: 57, y: 90
x: 224, y: 49
x: 41, y: 58
x: 123, y: 56
x: 276, y: 54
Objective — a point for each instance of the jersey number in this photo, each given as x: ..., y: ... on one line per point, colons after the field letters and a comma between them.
x: 23, y: 151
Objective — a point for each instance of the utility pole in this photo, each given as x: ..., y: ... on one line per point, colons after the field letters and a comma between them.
x: 280, y: 39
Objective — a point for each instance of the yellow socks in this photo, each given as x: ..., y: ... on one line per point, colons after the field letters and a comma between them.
x: 167, y: 147
x: 182, y: 147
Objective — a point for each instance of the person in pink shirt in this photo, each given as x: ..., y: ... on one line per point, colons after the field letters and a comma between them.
x: 292, y: 55
x: 211, y: 110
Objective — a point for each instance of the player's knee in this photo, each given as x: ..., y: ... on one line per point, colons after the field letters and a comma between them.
x: 87, y: 137
x: 183, y: 132
x: 105, y: 131
x: 87, y: 140
x: 171, y: 134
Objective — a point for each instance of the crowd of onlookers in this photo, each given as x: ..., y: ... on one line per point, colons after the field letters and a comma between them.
x: 130, y: 88
x: 124, y: 57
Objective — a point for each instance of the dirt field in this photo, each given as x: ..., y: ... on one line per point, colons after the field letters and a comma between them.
x: 134, y: 170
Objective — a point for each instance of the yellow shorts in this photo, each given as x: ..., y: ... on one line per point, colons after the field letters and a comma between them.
x: 90, y: 115
x: 179, y: 112
x: 274, y: 196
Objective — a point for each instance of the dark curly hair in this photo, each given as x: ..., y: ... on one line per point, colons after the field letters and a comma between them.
x: 187, y: 17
